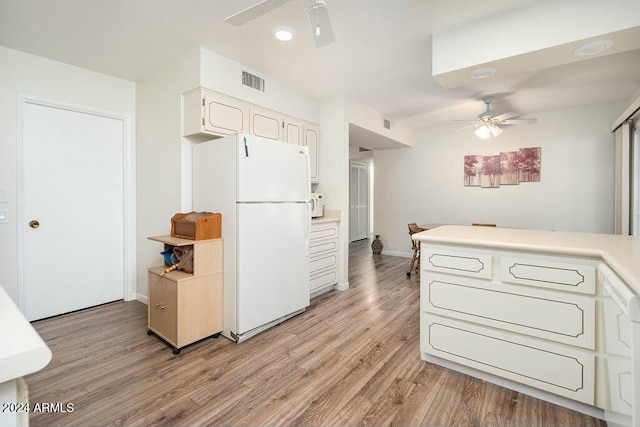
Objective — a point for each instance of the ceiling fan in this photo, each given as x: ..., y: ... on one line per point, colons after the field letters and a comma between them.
x: 318, y: 18
x: 488, y: 123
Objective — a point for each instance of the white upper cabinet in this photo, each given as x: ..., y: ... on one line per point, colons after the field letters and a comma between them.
x: 293, y: 131
x: 205, y: 112
x: 213, y: 113
x: 266, y: 123
x: 312, y: 141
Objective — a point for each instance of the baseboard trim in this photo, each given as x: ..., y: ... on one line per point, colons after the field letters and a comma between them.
x: 342, y: 286
x: 142, y: 298
x: 398, y: 253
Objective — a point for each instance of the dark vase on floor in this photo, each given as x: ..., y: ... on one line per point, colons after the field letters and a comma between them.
x: 377, y: 245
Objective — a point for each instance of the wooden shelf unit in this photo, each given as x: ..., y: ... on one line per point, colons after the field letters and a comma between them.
x: 187, y: 307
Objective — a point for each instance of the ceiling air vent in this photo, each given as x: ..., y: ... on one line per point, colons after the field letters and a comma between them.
x: 387, y: 123
x: 252, y: 81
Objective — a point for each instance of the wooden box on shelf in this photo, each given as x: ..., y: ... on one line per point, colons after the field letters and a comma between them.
x: 187, y: 307
x: 197, y: 225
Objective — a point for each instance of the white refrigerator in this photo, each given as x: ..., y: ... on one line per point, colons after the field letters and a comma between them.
x: 262, y: 189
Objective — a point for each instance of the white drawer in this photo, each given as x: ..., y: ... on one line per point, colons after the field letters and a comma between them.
x: 542, y: 313
x: 323, y: 262
x: 326, y: 230
x: 324, y: 279
x: 323, y: 246
x: 566, y: 276
x: 454, y: 262
x: 552, y: 367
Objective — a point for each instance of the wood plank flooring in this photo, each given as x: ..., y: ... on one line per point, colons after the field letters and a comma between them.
x: 351, y: 359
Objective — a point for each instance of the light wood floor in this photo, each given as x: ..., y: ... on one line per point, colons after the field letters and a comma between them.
x: 351, y: 359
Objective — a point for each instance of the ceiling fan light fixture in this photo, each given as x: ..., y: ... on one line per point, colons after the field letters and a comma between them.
x: 593, y: 48
x: 483, y: 132
x: 495, y: 130
x: 488, y: 130
x: 481, y: 73
x: 284, y: 34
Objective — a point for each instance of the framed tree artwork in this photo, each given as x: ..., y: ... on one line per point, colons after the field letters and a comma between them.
x: 529, y: 164
x: 508, y: 168
x: 490, y: 171
x: 472, y: 166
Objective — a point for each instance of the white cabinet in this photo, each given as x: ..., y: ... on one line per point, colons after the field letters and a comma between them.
x: 212, y: 113
x: 206, y: 112
x: 312, y: 141
x: 265, y: 123
x: 293, y: 131
x: 528, y: 318
x: 323, y: 257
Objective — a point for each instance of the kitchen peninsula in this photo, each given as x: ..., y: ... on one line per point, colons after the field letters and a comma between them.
x: 555, y: 315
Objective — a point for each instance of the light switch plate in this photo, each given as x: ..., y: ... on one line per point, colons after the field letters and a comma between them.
x: 4, y: 195
x: 4, y: 216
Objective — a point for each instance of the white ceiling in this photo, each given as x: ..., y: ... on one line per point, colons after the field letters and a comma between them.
x: 381, y: 56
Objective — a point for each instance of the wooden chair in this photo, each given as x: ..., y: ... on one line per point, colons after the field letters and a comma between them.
x: 415, y: 247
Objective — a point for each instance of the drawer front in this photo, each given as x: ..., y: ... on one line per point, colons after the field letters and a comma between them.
x: 163, y: 307
x: 568, y: 319
x: 328, y: 230
x: 558, y: 369
x: 324, y: 279
x: 323, y: 246
x: 323, y: 262
x: 454, y: 262
x: 564, y: 276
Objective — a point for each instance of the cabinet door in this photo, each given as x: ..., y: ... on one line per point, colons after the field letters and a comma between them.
x: 163, y: 307
x: 223, y: 114
x: 266, y: 123
x: 312, y: 140
x: 293, y: 131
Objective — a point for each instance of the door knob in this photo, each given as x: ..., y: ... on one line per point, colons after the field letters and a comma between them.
x: 34, y: 223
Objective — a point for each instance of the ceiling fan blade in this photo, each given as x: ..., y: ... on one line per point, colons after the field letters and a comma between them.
x: 519, y: 121
x: 465, y: 121
x: 320, y: 24
x: 505, y: 116
x: 464, y: 127
x: 253, y: 12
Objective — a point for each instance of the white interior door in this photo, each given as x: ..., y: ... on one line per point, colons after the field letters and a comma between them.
x: 72, y: 217
x: 359, y: 196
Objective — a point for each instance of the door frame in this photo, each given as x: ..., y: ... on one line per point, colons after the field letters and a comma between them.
x: 364, y: 164
x: 128, y: 162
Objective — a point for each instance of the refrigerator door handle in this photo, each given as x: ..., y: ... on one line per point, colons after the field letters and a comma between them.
x: 308, y: 226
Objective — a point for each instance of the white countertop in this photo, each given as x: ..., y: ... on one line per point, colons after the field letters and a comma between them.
x: 329, y: 216
x: 22, y: 351
x: 621, y: 253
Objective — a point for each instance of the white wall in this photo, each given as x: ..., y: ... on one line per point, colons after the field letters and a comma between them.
x: 424, y: 184
x: 40, y: 77
x: 334, y: 173
x: 164, y: 156
x: 159, y: 156
x: 370, y: 119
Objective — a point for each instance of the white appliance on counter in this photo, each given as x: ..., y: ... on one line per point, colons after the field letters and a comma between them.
x: 261, y: 188
x: 317, y: 205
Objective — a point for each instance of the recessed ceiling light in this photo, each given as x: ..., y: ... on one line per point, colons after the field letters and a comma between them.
x: 481, y: 73
x: 284, y: 33
x: 593, y: 48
